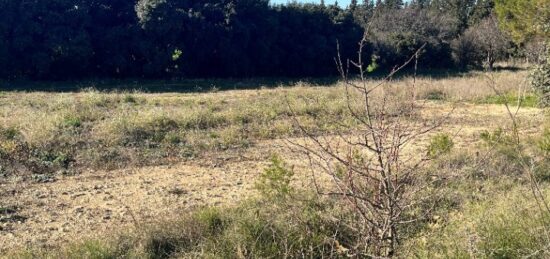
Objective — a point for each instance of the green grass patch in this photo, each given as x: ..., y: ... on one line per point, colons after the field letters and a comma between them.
x: 529, y: 100
x: 72, y: 122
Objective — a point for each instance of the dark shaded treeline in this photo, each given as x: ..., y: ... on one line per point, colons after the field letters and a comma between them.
x: 74, y: 39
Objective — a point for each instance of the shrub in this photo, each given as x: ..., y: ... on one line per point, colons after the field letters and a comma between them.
x: 53, y: 158
x: 275, y: 181
x: 439, y: 145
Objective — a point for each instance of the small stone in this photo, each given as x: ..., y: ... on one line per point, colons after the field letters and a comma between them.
x: 79, y: 210
x: 78, y: 195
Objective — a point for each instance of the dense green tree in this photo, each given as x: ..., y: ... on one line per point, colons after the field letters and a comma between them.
x: 393, y: 4
x: 420, y: 3
x: 459, y: 10
x: 524, y: 19
x: 46, y: 39
x: 64, y: 39
x: 400, y: 32
x: 115, y: 37
x: 481, y: 10
x: 482, y: 44
x: 353, y: 5
x: 529, y: 21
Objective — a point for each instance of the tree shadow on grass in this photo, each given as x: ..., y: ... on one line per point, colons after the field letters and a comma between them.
x: 207, y: 85
x: 162, y: 85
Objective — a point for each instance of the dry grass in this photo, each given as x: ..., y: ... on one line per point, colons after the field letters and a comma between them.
x: 95, y: 129
x: 69, y: 132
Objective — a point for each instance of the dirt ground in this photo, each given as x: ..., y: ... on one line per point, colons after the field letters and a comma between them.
x: 95, y: 202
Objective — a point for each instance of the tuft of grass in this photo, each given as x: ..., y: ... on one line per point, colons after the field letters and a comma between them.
x: 10, y: 133
x: 498, y: 137
x: 435, y: 95
x: 544, y: 142
x: 128, y: 98
x: 72, y: 122
x: 92, y: 249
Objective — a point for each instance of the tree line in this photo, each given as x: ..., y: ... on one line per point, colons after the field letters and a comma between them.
x: 73, y: 39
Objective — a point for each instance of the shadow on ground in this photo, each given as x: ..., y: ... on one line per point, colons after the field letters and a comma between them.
x: 207, y: 85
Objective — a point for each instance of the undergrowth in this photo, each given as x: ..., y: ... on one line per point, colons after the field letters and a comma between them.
x: 481, y: 208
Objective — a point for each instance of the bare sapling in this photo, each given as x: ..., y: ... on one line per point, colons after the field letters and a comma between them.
x: 370, y: 168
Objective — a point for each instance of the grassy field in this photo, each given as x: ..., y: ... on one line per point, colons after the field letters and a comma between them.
x: 52, y: 132
x: 109, y: 174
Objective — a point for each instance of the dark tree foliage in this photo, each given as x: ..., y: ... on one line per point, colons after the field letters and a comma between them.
x: 398, y: 33
x: 45, y: 38
x: 74, y: 39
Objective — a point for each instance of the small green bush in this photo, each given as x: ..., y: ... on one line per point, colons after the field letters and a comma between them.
x: 440, y: 144
x: 275, y: 181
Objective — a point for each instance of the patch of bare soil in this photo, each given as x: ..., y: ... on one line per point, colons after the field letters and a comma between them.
x: 67, y: 208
